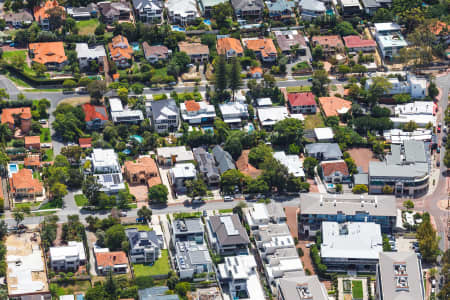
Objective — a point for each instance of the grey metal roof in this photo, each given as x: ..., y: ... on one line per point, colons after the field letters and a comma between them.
x: 395, y: 156
x: 206, y: 162
x: 388, y: 276
x: 138, y: 239
x: 361, y: 178
x: 374, y: 3
x: 223, y: 158
x: 293, y: 287
x: 247, y: 4
x: 156, y: 293
x: 224, y: 237
x: 161, y: 108
x: 348, y: 204
x: 189, y: 254
x: 275, y: 210
x: 415, y: 151
x: 142, y: 5
x: 326, y: 150
x: 383, y: 169
x: 187, y: 226
x: 312, y: 5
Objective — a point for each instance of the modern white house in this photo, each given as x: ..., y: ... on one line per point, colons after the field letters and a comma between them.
x: 197, y: 112
x: 182, y: 12
x: 269, y: 116
x: 421, y: 112
x: 301, y: 288
x: 415, y: 86
x: 67, y: 258
x: 390, y: 39
x: 86, y: 54
x: 120, y: 114
x: 234, y: 112
x: 168, y: 156
x: 179, y: 174
x: 261, y: 214
x: 145, y: 246
x: 105, y: 166
x: 292, y: 162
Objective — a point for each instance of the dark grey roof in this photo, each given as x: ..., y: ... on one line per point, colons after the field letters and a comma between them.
x: 292, y: 287
x: 325, y: 150
x: 159, y: 106
x: 247, y: 4
x: 233, y: 235
x: 206, y: 163
x: 187, y: 226
x: 223, y: 158
x: 142, y: 238
x: 156, y: 293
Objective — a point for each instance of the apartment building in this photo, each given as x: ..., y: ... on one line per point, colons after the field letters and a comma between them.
x: 301, y: 288
x: 261, y: 214
x: 390, y: 39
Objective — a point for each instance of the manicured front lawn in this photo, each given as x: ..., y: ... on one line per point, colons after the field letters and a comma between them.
x: 357, y: 289
x: 160, y: 267
x: 298, y: 89
x: 225, y: 211
x: 81, y: 200
x: 48, y: 155
x: 45, y: 135
x: 10, y: 55
x: 313, y: 121
x: 140, y: 227
x: 87, y: 27
x: 50, y: 205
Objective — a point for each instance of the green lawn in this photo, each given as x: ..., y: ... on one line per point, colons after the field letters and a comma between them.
x: 313, y: 121
x: 357, y: 289
x: 298, y: 89
x: 140, y: 227
x: 87, y: 27
x: 50, y: 205
x: 160, y: 72
x: 45, y: 135
x: 10, y: 55
x: 161, y: 266
x: 225, y: 211
x: 48, y: 155
x: 81, y: 200
x: 43, y: 90
x: 70, y: 288
x: 18, y: 81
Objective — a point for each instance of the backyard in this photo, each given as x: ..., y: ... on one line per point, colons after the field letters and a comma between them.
x: 313, y: 121
x: 45, y: 135
x: 12, y: 56
x: 357, y: 289
x: 87, y: 27
x: 160, y: 267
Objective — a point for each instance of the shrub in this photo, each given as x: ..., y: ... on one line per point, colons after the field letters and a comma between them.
x: 387, y: 190
x: 360, y: 189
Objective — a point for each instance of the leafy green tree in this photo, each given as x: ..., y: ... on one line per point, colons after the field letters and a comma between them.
x: 58, y: 190
x: 428, y: 241
x: 309, y: 164
x: 387, y: 190
x: 408, y: 204
x: 379, y: 87
x: 55, y: 17
x: 158, y: 194
x: 360, y: 189
x: 222, y: 13
x: 122, y: 92
x: 96, y: 292
x: 114, y: 237
x: 256, y: 186
x: 220, y: 74
x: 319, y: 83
x: 338, y: 188
x: 91, y: 189
x: 233, y: 144
x: 96, y: 89
x: 382, y: 15
x: 235, y: 80
x: 231, y: 179
x: 288, y: 131
x: 410, y: 126
x: 39, y: 69
x: 182, y: 288
x: 275, y: 174
x: 18, y: 216
x: 386, y: 245
x: 259, y: 154
x: 145, y: 213
x: 196, y: 188
x: 432, y: 90
x: 345, y: 28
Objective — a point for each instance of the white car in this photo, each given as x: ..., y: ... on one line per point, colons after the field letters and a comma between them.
x: 227, y: 198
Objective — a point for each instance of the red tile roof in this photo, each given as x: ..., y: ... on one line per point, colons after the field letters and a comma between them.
x: 110, y: 259
x: 265, y: 46
x: 8, y: 114
x: 93, y: 112
x: 85, y: 142
x: 330, y: 167
x: 245, y: 167
x: 256, y: 70
x: 40, y: 12
x: 32, y: 161
x: 226, y: 44
x: 328, y: 40
x: 51, y: 52
x: 23, y: 179
x: 31, y: 140
x: 191, y: 105
x: 438, y: 27
x: 332, y: 106
x: 355, y: 41
x: 301, y: 99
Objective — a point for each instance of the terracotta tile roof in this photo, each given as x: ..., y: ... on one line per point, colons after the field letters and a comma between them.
x: 355, y: 41
x: 35, y: 139
x: 226, y: 44
x: 8, y: 114
x: 51, y: 52
x: 330, y: 167
x: 110, y: 259
x: 23, y: 179
x: 145, y: 167
x: 40, y: 12
x: 191, y: 105
x: 159, y: 51
x: 116, y: 76
x: 85, y: 142
x: 245, y: 167
x: 154, y: 180
x: 115, y: 48
x: 32, y: 161
x: 334, y: 106
x: 93, y: 112
x: 328, y: 40
x: 301, y: 99
x: 265, y: 46
x: 193, y: 48
x: 438, y: 27
x: 256, y: 70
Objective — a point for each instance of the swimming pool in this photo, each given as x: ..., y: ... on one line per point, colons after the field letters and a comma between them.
x: 13, y: 168
x: 126, y: 151
x: 135, y: 46
x: 80, y: 297
x: 178, y: 28
x: 208, y: 128
x: 250, y: 128
x: 138, y: 138
x: 207, y: 22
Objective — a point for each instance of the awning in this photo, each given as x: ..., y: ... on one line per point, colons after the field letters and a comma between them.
x: 233, y: 120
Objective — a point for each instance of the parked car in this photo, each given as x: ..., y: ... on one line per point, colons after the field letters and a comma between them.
x: 309, y: 245
x: 433, y: 283
x: 123, y: 213
x: 227, y: 198
x: 438, y: 163
x: 205, y: 213
x: 444, y: 139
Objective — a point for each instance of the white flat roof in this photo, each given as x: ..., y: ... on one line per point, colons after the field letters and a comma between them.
x: 264, y: 102
x: 72, y: 249
x: 271, y: 115
x: 416, y: 107
x: 180, y: 152
x: 388, y: 26
x: 115, y: 105
x: 291, y: 162
x: 184, y: 170
x: 324, y: 133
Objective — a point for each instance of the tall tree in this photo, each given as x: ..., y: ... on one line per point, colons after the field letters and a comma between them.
x: 235, y: 76
x: 379, y: 87
x: 220, y: 81
x: 319, y: 82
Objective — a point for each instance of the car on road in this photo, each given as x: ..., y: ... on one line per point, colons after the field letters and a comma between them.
x: 42, y: 121
x: 310, y: 79
x: 198, y: 200
x: 205, y: 213
x: 123, y: 213
x: 444, y: 139
x: 439, y: 127
x: 309, y: 245
x: 227, y: 198
x: 438, y: 163
x: 433, y: 283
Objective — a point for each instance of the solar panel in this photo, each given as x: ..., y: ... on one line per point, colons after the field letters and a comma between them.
x: 229, y: 226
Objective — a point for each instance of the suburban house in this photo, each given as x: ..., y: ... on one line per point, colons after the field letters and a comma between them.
x: 371, y: 6
x: 18, y: 19
x: 311, y: 9
x: 24, y: 187
x: 33, y: 142
x: 400, y: 275
x: 21, y: 114
x: 239, y: 274
x: 142, y: 171
x: 120, y: 51
x: 281, y: 9
x: 291, y: 40
x: 154, y: 54
x: 50, y: 54
x: 302, y: 103
x: 191, y: 253
x: 32, y: 161
x: 389, y: 39
x: 207, y: 166
x: 334, y: 106
x: 223, y: 159
x: 256, y: 72
x: 230, y: 47
x: 335, y: 171
x: 157, y: 293
x: 85, y: 142
x: 261, y: 214
x: 264, y: 48
x: 41, y: 13
x: 164, y: 114
x: 114, y: 11
x: 292, y: 162
x: 245, y: 167
x: 145, y: 246
x: 442, y: 31
x: 95, y: 116
x: 120, y: 114
x: 421, y: 112
x: 106, y: 168
x: 415, y: 86
x: 301, y: 288
x: 149, y: 11
x: 86, y: 55
x: 168, y: 156
x: 355, y: 43
x: 331, y: 44
x: 248, y: 9
x: 206, y: 6
x: 181, y: 173
x: 324, y: 151
x: 227, y: 235
x: 350, y: 8
x: 115, y: 262
x: 351, y: 246
x: 234, y: 112
x: 67, y: 258
x: 315, y: 208
x: 269, y: 116
x: 324, y: 135
x: 406, y: 170
x: 196, y: 51
x: 182, y: 12
x: 197, y: 112
x: 83, y: 12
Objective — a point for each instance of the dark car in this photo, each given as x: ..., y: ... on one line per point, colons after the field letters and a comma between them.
x: 438, y: 163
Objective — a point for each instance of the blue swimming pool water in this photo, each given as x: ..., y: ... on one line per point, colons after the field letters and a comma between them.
x: 177, y: 28
x: 138, y: 138
x: 135, y: 46
x: 13, y: 168
x: 207, y: 22
x: 250, y: 128
x: 208, y: 128
x: 80, y: 297
x: 126, y: 151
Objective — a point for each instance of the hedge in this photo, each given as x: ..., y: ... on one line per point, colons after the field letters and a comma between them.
x: 34, y: 81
